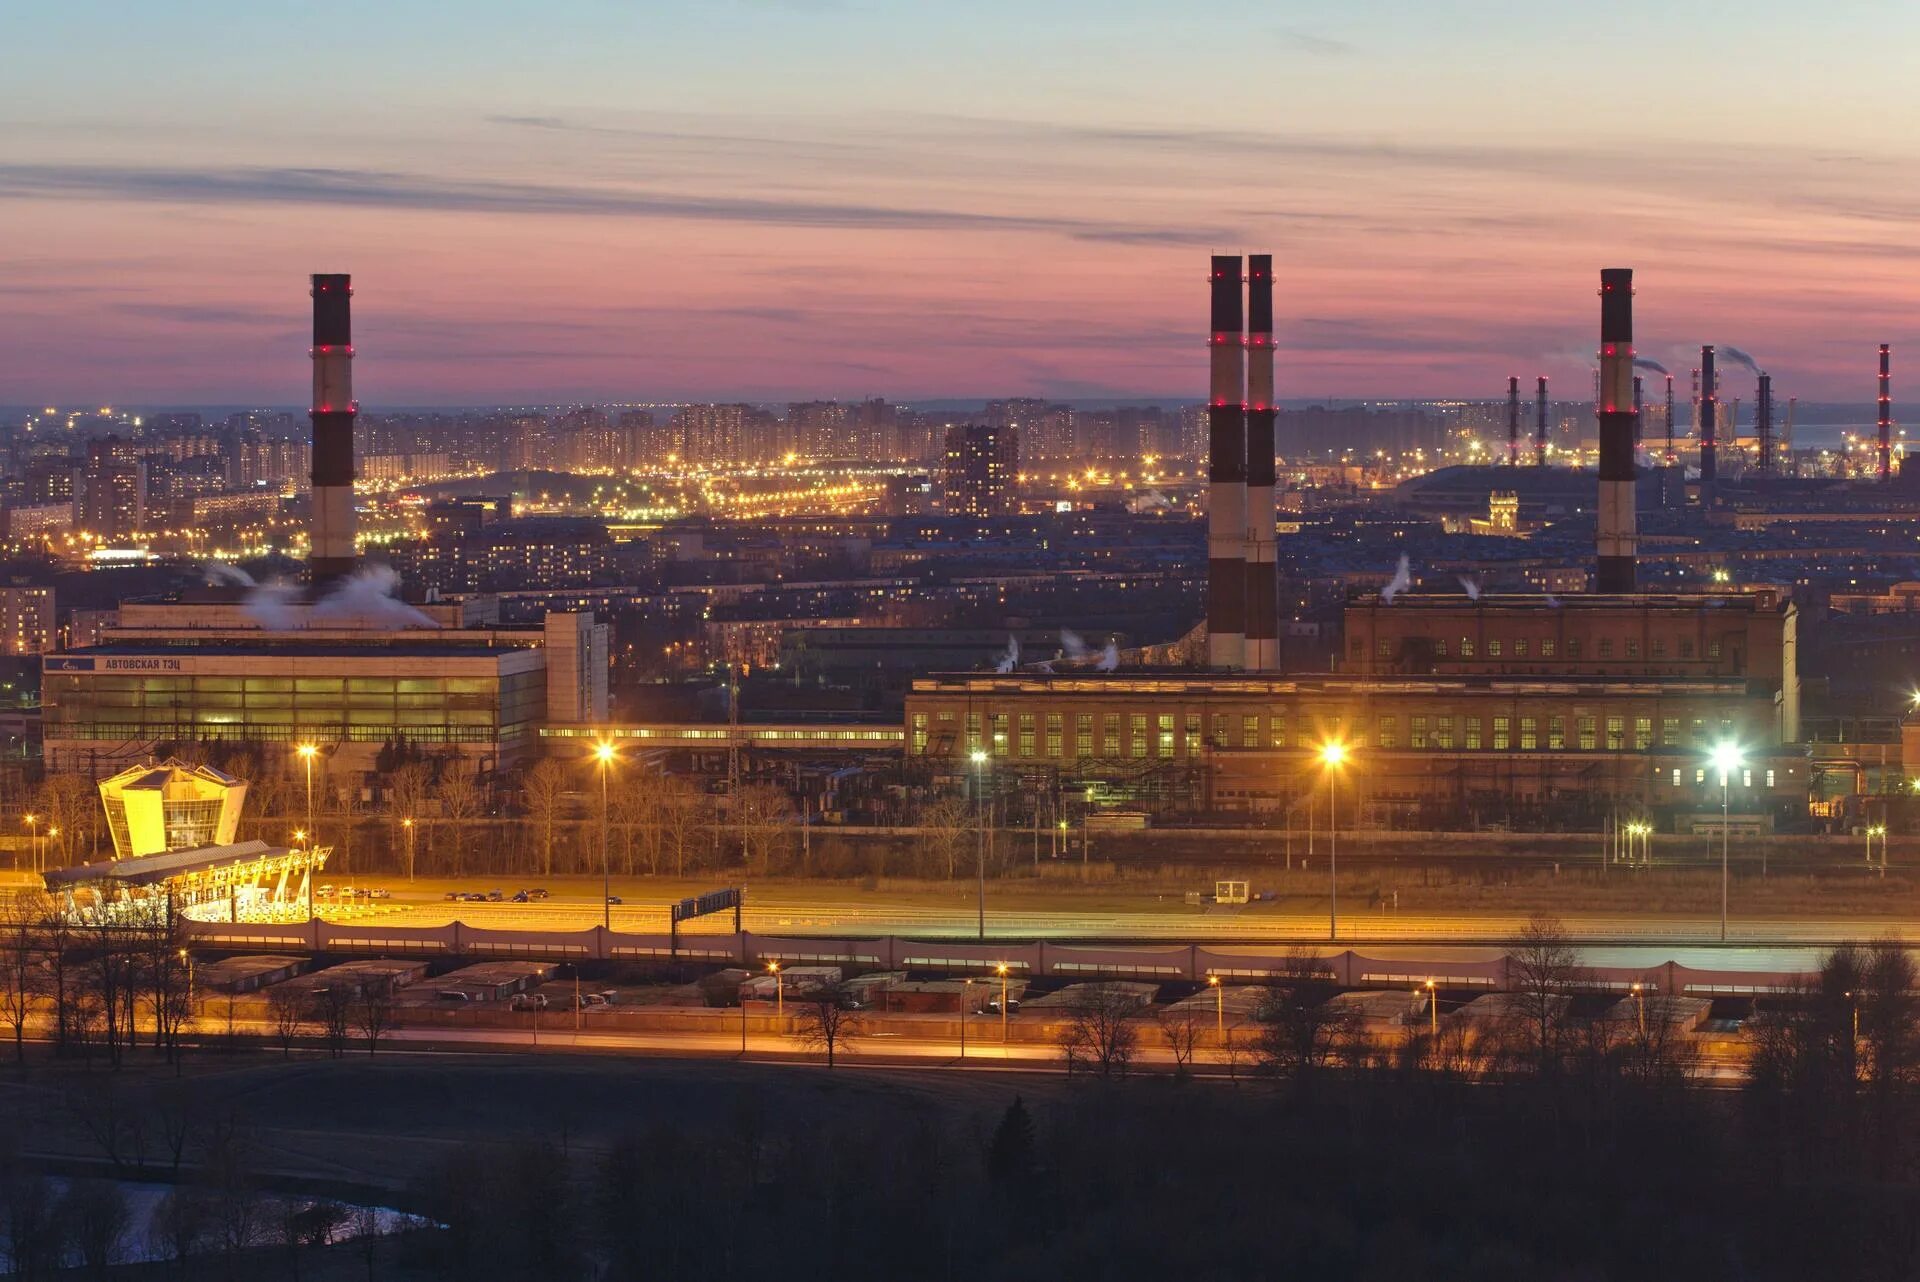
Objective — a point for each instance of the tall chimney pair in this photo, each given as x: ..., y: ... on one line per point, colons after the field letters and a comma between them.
x: 330, y: 554
x: 1885, y: 422
x: 1242, y: 588
x: 1709, y: 416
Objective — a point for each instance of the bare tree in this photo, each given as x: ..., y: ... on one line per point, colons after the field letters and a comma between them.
x: 636, y: 820
x: 1182, y: 1027
x: 289, y: 1010
x: 683, y: 814
x: 459, y: 794
x: 945, y: 824
x: 97, y: 1219
x: 407, y: 794
x: 1302, y: 1029
x: 22, y: 965
x: 828, y: 1019
x: 767, y: 822
x: 374, y: 1012
x: 1102, y: 1033
x: 1543, y: 970
x: 545, y: 789
x: 333, y: 1011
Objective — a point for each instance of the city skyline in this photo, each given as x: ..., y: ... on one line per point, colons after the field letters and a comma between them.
x: 835, y: 200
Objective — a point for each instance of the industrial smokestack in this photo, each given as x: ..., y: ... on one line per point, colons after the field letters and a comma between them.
x: 1263, y: 590
x: 1513, y: 421
x: 1886, y: 412
x: 1709, y: 415
x: 1670, y: 454
x: 1540, y: 426
x: 330, y: 555
x: 1763, y: 421
x: 1226, y: 473
x: 1619, y: 423
x: 1639, y: 410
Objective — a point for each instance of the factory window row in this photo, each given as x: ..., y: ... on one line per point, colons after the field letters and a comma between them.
x: 1166, y: 735
x: 1467, y: 647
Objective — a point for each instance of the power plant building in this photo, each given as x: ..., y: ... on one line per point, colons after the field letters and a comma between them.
x: 339, y: 663
x: 1453, y: 708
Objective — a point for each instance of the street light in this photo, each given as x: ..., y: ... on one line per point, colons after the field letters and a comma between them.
x: 1001, y: 970
x: 1219, y: 1008
x: 979, y: 758
x: 605, y: 756
x: 1433, y: 1011
x: 1880, y: 831
x: 307, y: 752
x: 407, y: 824
x: 1726, y: 759
x: 779, y: 990
x: 1640, y: 1006
x: 33, y: 840
x: 1333, y: 755
x: 187, y: 957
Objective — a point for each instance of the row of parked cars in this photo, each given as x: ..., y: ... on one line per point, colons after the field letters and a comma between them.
x: 540, y: 1001
x: 492, y: 896
x: 348, y: 893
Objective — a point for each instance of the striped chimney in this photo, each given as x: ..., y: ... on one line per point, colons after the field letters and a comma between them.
x: 331, y: 556
x: 1263, y: 590
x: 1226, y: 472
x: 1619, y: 420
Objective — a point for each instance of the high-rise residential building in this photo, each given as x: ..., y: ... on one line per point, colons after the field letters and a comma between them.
x: 26, y: 620
x: 982, y: 462
x: 1045, y: 427
x: 111, y: 500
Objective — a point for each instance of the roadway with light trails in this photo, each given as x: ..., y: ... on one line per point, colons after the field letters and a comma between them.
x: 1023, y: 914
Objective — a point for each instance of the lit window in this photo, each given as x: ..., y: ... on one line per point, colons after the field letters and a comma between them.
x: 1642, y: 733
x: 1466, y: 647
x: 1500, y: 734
x: 1529, y: 734
x: 1493, y: 647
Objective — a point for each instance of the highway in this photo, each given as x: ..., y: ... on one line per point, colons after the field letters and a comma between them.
x: 1022, y: 913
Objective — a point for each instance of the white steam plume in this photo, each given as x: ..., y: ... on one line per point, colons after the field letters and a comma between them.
x: 1109, y: 658
x: 1401, y: 581
x: 1011, y: 658
x: 1074, y: 645
x: 368, y: 595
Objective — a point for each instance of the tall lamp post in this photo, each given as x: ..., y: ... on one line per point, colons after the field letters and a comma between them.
x: 1219, y: 1008
x: 979, y: 759
x: 1001, y: 970
x: 1726, y: 759
x: 604, y: 756
x: 308, y: 752
x: 1333, y: 755
x: 33, y: 840
x: 407, y: 824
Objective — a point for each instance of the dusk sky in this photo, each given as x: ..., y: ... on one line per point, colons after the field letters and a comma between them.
x: 734, y: 199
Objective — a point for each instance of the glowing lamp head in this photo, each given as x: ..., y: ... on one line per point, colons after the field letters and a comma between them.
x: 1333, y: 754
x: 773, y: 968
x: 1001, y: 969
x: 299, y: 834
x: 1213, y: 981
x: 603, y: 753
x: 1727, y: 758
x: 978, y: 757
x: 307, y: 751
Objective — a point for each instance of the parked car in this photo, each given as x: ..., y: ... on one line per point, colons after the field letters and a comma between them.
x: 521, y: 897
x: 494, y: 897
x: 324, y: 892
x: 590, y: 1000
x: 529, y: 1001
x: 454, y: 896
x: 537, y: 893
x: 615, y: 900
x: 1013, y: 1005
x: 379, y: 892
x: 454, y: 995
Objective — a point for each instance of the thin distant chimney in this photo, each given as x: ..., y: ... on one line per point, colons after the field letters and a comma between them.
x: 1709, y: 415
x: 331, y: 555
x: 1263, y: 585
x: 1639, y: 410
x: 1513, y: 421
x: 1226, y: 472
x: 1670, y: 454
x: 1540, y: 426
x: 1763, y: 421
x: 1886, y: 412
x: 1619, y: 417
